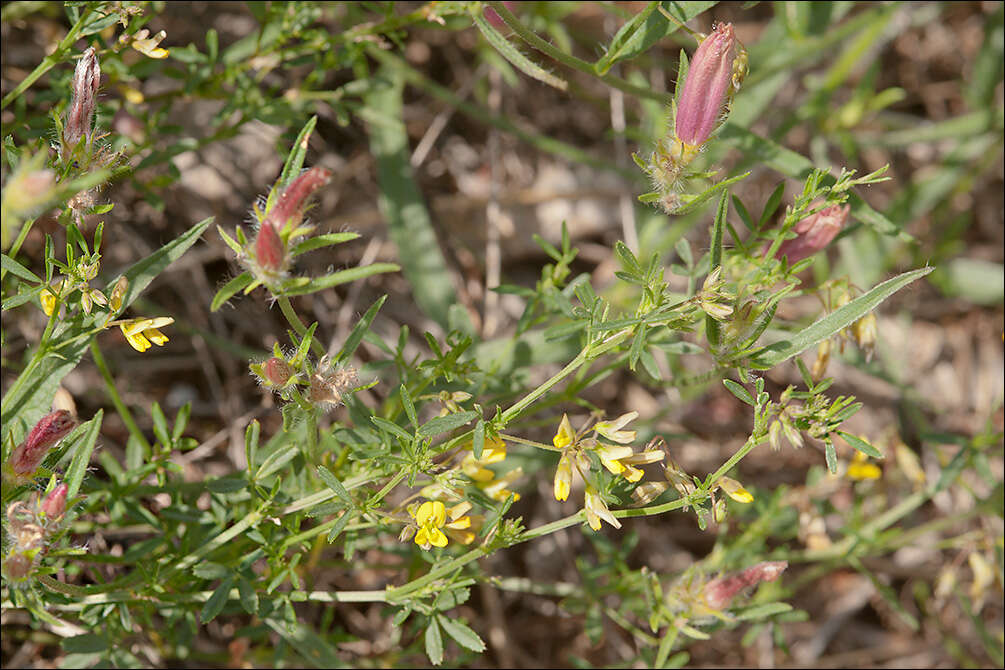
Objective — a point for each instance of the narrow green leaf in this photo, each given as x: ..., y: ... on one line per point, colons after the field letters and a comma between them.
x: 406, y: 401
x: 17, y: 300
x: 214, y: 605
x: 342, y: 277
x: 391, y: 427
x: 339, y: 526
x: 739, y: 391
x: 478, y: 439
x: 762, y: 611
x: 462, y: 634
x: 88, y: 643
x: 312, y: 648
x: 840, y: 318
x: 646, y: 29
x: 445, y: 424
x: 358, y: 331
x: 332, y: 482
x: 82, y: 454
x: 830, y: 454
x: 514, y: 56
x: 249, y: 597
x: 12, y: 266
x: 861, y: 445
x: 318, y: 241
x: 298, y: 152
x: 229, y: 289
x: 434, y: 642
x: 251, y: 435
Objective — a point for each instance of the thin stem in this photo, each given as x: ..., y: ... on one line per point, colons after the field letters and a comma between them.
x: 548, y: 49
x: 297, y: 324
x: 113, y: 393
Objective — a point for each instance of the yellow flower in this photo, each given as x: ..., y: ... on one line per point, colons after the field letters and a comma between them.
x: 499, y: 490
x: 48, y: 300
x: 431, y: 516
x: 563, y: 477
x: 148, y: 46
x: 861, y: 469
x: 494, y: 451
x: 610, y: 457
x: 596, y: 510
x: 735, y: 490
x: 140, y: 333
x: 564, y: 437
x: 612, y: 429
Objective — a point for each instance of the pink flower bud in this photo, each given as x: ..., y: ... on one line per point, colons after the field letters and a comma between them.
x: 718, y: 593
x: 277, y: 371
x: 708, y: 82
x: 54, y: 504
x: 52, y: 428
x: 291, y: 202
x: 815, y: 232
x: 269, y: 249
x: 17, y: 567
x: 86, y: 79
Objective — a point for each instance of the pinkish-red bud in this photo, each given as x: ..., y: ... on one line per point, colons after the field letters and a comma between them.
x: 52, y: 428
x: 814, y: 233
x: 269, y: 249
x: 86, y: 79
x: 708, y: 80
x: 291, y: 202
x: 492, y: 16
x: 17, y: 567
x: 277, y: 371
x: 54, y: 504
x: 718, y: 593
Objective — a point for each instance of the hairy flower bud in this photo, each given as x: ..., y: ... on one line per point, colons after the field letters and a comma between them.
x: 54, y: 504
x: 277, y: 371
x: 718, y: 593
x: 814, y: 233
x: 269, y: 249
x: 28, y: 455
x: 708, y: 84
x: 292, y: 201
x: 86, y: 78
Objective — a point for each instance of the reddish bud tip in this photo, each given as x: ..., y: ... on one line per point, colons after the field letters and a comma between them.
x: 269, y: 249
x: 293, y: 200
x: 277, y: 371
x: 86, y: 79
x: 54, y: 504
x: 708, y: 82
x: 52, y: 428
x: 718, y: 593
x: 493, y: 17
x: 815, y: 232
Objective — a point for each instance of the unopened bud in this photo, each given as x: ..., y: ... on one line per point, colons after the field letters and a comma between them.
x: 86, y: 79
x: 814, y: 232
x: 17, y: 567
x: 292, y: 201
x: 28, y: 455
x: 864, y: 331
x: 54, y: 504
x: 269, y: 249
x: 718, y: 593
x: 277, y: 371
x: 708, y: 83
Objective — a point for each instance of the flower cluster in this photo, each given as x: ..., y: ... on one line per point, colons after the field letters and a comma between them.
x: 715, y: 75
x: 295, y: 378
x: 30, y: 527
x: 618, y: 458
x: 26, y: 458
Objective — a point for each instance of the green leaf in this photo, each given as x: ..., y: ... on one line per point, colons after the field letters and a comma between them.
x: 295, y: 160
x: 840, y: 318
x: 463, y: 635
x: 17, y: 300
x: 445, y: 424
x: 740, y: 392
x: 861, y: 445
x: 12, y: 266
x: 358, y: 331
x: 478, y: 439
x: 82, y: 451
x: 319, y: 241
x: 88, y: 643
x: 228, y: 290
x: 514, y: 56
x: 342, y: 277
x: 214, y: 605
x: 332, y: 482
x: 248, y: 595
x: 30, y: 396
x: 646, y: 29
x: 406, y: 401
x: 830, y: 454
x: 400, y: 199
x: 762, y: 611
x: 391, y: 427
x: 434, y: 642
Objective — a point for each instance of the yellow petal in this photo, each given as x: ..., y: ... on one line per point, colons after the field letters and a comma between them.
x: 137, y: 341
x: 563, y: 478
x: 155, y: 336
x: 437, y: 538
x: 564, y: 436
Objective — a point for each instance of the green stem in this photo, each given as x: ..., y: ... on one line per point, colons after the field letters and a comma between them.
x: 297, y: 324
x: 16, y: 247
x: 27, y: 375
x: 49, y: 61
x: 735, y: 458
x: 548, y: 49
x: 113, y: 393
